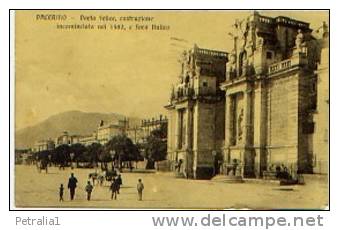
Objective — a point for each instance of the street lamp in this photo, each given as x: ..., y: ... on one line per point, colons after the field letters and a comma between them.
x: 72, y: 156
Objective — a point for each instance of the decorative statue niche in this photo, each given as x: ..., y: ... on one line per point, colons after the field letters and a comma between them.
x: 232, y: 67
x: 242, y: 63
x: 187, y: 79
x: 299, y: 40
x: 259, y: 41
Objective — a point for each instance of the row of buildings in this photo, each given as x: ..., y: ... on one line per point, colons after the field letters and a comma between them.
x: 262, y: 105
x: 104, y: 133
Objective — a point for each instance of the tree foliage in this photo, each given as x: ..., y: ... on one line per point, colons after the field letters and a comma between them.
x: 123, y: 149
x: 79, y: 151
x: 156, y: 146
x: 121, y: 145
x: 161, y: 132
x: 94, y: 152
x: 61, y: 154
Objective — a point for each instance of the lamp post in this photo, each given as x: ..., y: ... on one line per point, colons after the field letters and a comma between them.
x: 72, y: 156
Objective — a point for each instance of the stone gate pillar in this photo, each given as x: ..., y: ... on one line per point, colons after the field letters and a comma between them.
x: 188, y: 141
x: 248, y: 154
x: 259, y: 127
x: 228, y: 128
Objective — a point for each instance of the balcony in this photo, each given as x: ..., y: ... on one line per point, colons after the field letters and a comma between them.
x: 186, y: 93
x: 291, y: 22
x: 266, y: 20
x: 212, y: 53
x: 297, y: 60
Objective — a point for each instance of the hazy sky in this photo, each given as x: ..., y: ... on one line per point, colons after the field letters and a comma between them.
x: 127, y: 72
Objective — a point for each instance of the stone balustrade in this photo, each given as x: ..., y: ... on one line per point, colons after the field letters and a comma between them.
x: 187, y: 92
x: 298, y: 59
x: 286, y: 64
x: 266, y: 20
x: 291, y: 22
x: 213, y: 53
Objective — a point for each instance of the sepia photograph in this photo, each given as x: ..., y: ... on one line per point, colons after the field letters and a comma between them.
x: 171, y: 109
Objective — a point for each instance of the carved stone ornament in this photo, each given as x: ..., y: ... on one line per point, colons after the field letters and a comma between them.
x: 299, y: 40
x: 240, y: 119
x: 259, y: 40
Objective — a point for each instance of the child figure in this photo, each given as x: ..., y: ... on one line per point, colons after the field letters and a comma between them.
x: 61, y: 193
x: 89, y: 189
x: 140, y: 188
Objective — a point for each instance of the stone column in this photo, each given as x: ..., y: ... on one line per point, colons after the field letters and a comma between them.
x: 169, y: 136
x: 248, y: 157
x: 259, y: 128
x: 188, y: 141
x: 228, y: 127
x: 177, y: 129
x: 188, y: 132
x: 247, y: 117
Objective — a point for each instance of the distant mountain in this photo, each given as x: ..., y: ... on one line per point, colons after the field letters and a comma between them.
x: 75, y: 122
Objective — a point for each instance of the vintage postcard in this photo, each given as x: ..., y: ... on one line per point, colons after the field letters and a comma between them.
x: 171, y: 109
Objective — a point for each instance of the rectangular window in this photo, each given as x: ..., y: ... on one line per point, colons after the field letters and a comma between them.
x: 269, y: 55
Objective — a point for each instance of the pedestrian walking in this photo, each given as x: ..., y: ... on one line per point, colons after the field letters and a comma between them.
x: 114, y: 189
x: 119, y: 183
x: 101, y: 179
x: 89, y: 189
x: 72, y: 184
x: 140, y: 188
x: 61, y: 193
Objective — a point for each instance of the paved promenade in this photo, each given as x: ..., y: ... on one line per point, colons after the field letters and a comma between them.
x: 162, y: 190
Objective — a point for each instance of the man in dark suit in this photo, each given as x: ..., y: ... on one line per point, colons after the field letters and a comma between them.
x: 72, y: 184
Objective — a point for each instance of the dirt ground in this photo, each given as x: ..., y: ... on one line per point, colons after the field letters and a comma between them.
x: 162, y: 190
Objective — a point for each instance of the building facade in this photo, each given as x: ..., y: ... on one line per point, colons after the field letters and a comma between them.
x: 102, y: 135
x: 43, y: 145
x: 321, y: 115
x: 139, y: 134
x: 136, y: 134
x: 89, y: 139
x: 107, y: 131
x: 196, y: 113
x: 63, y: 139
x: 147, y: 126
x: 66, y: 139
x: 259, y: 112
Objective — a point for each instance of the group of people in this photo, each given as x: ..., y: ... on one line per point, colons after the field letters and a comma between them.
x: 114, y: 188
x: 72, y: 184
